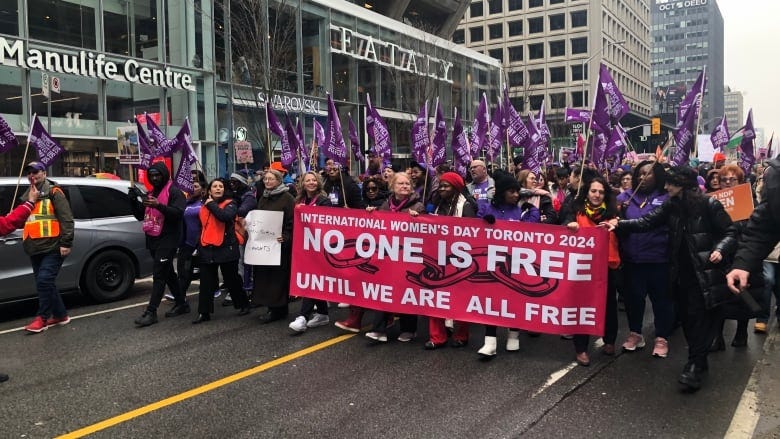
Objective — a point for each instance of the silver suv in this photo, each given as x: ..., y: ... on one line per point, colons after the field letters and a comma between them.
x: 109, y: 248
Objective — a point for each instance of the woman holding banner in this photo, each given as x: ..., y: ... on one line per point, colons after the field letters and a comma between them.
x: 311, y: 193
x: 594, y: 205
x: 540, y: 199
x: 402, y: 199
x: 701, y: 234
x: 272, y: 282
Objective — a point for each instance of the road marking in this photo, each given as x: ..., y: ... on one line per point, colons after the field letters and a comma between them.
x: 554, y: 377
x: 202, y: 389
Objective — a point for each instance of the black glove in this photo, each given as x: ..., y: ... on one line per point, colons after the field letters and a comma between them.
x: 490, y: 219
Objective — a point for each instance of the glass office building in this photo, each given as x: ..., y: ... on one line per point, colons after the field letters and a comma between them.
x: 216, y: 63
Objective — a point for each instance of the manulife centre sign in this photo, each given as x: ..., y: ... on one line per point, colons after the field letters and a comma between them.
x: 93, y: 65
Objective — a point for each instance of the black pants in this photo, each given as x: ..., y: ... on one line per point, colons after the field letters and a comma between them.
x: 209, y: 282
x: 611, y: 318
x: 699, y: 324
x: 162, y: 275
x: 408, y: 322
x: 185, y: 264
x: 307, y: 306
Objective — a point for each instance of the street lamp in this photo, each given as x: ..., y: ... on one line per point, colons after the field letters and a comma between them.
x: 584, y: 81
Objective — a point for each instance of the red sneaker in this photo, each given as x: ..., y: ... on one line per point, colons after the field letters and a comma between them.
x: 54, y: 321
x: 37, y: 325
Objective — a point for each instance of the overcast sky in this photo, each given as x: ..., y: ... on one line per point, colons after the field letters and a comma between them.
x: 752, y: 59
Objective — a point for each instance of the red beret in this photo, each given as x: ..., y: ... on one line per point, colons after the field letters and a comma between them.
x: 454, y: 180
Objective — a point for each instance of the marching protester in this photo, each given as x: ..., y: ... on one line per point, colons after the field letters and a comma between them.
x: 712, y: 181
x: 374, y: 191
x: 559, y: 189
x: 47, y: 238
x: 540, y: 198
x: 422, y: 181
x: 482, y: 186
x: 403, y: 198
x: 771, y: 273
x: 243, y: 193
x: 594, y: 205
x: 272, y: 283
x: 701, y: 234
x: 310, y: 193
x: 218, y: 250
x: 339, y: 184
x: 161, y: 212
x: 452, y: 202
x: 506, y: 206
x: 187, y: 257
x: 644, y: 254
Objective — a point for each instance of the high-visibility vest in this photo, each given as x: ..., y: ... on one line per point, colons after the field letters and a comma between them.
x: 42, y: 223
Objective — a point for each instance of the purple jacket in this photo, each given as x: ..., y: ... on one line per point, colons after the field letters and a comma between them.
x: 527, y: 214
x: 648, y: 247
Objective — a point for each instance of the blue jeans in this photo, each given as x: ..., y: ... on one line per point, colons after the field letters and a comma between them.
x: 46, y: 266
x: 653, y: 280
x: 771, y: 285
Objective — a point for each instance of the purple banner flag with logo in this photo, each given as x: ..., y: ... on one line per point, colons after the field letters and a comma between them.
x: 354, y: 140
x: 183, y: 140
x: 461, y: 152
x: 378, y: 132
x: 600, y: 114
x: 439, y: 149
x: 515, y: 128
x: 496, y: 134
x: 574, y: 115
x: 289, y: 144
x: 618, y: 107
x: 7, y: 137
x: 335, y: 147
x: 47, y: 148
x: 531, y: 152
x: 684, y: 139
x: 144, y: 147
x: 616, y: 145
x: 720, y: 135
x: 274, y: 125
x: 747, y: 156
x: 480, y: 127
x: 420, y: 137
x: 183, y: 177
x: 156, y: 136
x: 598, y: 149
x: 691, y: 99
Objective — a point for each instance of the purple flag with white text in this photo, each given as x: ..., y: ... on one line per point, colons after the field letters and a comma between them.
x: 480, y: 127
x: 289, y: 144
x: 692, y: 100
x: 144, y: 147
x: 574, y: 115
x: 157, y: 138
x: 183, y: 176
x: 335, y: 147
x: 495, y: 139
x: 461, y: 152
x: 354, y: 140
x: 515, y: 128
x: 319, y: 133
x: 747, y: 156
x: 47, y: 148
x: 7, y: 137
x: 420, y: 137
x: 378, y: 132
x: 684, y: 139
x: 532, y: 151
x: 303, y: 155
x: 720, y: 135
x: 598, y: 148
x: 600, y: 114
x: 618, y: 107
x: 439, y: 150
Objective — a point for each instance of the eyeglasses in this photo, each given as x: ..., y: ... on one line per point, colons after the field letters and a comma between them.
x: 729, y: 180
x: 372, y: 189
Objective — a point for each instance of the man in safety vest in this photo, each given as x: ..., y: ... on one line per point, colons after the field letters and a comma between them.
x: 48, y: 237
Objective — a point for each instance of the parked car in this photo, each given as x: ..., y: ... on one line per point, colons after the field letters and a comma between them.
x: 109, y: 248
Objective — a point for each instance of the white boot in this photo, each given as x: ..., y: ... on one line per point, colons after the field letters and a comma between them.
x: 513, y: 341
x: 488, y: 350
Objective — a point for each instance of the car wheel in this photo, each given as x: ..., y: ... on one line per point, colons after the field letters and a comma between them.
x: 109, y: 276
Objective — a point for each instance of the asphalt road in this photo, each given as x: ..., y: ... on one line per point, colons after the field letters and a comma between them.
x: 247, y: 380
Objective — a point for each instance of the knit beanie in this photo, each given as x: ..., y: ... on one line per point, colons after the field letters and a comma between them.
x: 455, y: 180
x: 239, y: 177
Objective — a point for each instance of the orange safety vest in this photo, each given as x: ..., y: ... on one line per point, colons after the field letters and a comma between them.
x: 42, y: 223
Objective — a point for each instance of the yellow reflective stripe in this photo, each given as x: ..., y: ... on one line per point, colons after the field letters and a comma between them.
x: 45, y: 228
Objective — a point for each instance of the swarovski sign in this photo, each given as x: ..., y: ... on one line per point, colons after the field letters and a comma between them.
x: 91, y: 65
x: 365, y: 47
x: 291, y: 104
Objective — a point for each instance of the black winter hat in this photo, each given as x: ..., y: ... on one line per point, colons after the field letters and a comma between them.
x: 504, y: 184
x: 682, y: 176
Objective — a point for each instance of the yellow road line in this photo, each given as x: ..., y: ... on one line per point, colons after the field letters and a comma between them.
x: 200, y: 390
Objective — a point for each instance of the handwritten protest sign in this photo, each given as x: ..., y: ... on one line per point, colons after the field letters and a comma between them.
x: 738, y: 201
x: 263, y: 227
x: 127, y: 145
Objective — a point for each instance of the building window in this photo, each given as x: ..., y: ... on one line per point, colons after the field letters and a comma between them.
x: 518, y: 103
x: 536, y: 77
x: 535, y: 3
x: 69, y: 23
x: 576, y: 99
x: 515, y: 5
x: 515, y: 53
x: 495, y: 6
x: 536, y: 51
x: 579, y: 18
x: 558, y: 48
x: 497, y: 54
x: 459, y: 36
x: 576, y: 72
x: 477, y: 34
x: 535, y: 25
x: 557, y: 100
x: 496, y: 31
x: 515, y: 79
x: 557, y: 22
x: 579, y: 45
x: 535, y: 102
x: 556, y: 2
x: 557, y: 74
x: 515, y: 28
x: 476, y: 9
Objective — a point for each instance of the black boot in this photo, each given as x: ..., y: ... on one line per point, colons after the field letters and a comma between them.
x: 147, y: 318
x: 179, y: 309
x: 691, y: 377
x: 201, y: 318
x: 740, y: 337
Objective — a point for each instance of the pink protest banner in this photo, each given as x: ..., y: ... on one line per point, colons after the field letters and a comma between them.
x: 530, y: 276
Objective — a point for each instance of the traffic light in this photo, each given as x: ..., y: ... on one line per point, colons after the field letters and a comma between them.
x: 656, y: 126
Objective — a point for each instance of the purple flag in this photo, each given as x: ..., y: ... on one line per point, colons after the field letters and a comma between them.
x: 303, y: 155
x: 480, y: 127
x: 461, y: 152
x: 598, y: 148
x: 379, y: 132
x: 289, y: 144
x: 515, y: 128
x: 691, y: 99
x: 600, y: 114
x: 183, y: 177
x: 335, y: 147
x: 574, y: 115
x: 720, y: 135
x: 319, y: 133
x: 495, y: 140
x: 439, y: 152
x: 144, y: 149
x: 183, y: 140
x: 616, y: 145
x: 747, y: 157
x: 684, y: 139
x: 274, y: 125
x: 7, y: 137
x: 47, y: 148
x: 618, y: 107
x: 420, y: 136
x: 156, y: 136
x: 531, y: 152
x: 354, y: 140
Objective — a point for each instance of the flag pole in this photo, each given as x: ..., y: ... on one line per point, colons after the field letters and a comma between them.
x: 24, y: 161
x: 587, y: 136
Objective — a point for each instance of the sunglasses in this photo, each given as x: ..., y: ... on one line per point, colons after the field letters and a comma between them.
x: 372, y: 189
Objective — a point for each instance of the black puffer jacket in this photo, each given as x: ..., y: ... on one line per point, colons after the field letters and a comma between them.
x: 703, y: 227
x: 762, y: 232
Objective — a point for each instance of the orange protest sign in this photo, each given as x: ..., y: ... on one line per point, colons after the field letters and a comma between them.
x: 738, y: 201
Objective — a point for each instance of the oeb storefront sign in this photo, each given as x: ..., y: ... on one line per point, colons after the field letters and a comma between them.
x: 91, y: 65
